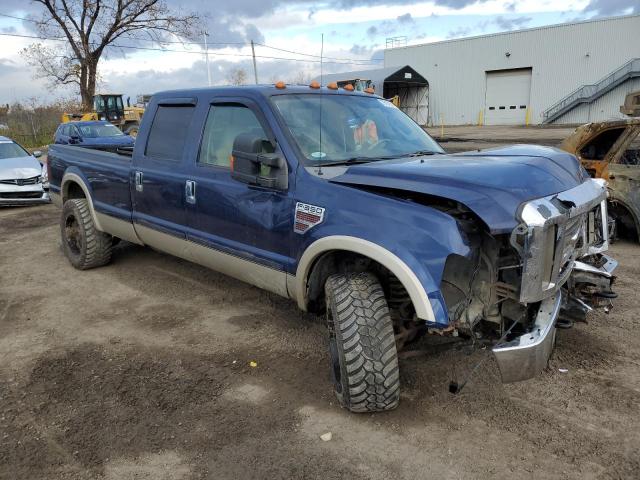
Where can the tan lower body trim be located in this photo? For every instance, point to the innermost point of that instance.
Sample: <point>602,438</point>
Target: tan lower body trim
<point>258,275</point>
<point>118,228</point>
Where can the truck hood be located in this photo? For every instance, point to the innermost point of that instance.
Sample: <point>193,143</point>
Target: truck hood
<point>491,183</point>
<point>19,168</point>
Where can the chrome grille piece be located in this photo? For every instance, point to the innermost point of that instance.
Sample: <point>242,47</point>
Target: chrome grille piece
<point>556,230</point>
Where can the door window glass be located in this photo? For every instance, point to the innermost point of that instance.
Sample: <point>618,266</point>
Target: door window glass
<point>632,155</point>
<point>111,103</point>
<point>168,134</point>
<point>598,148</point>
<point>224,123</point>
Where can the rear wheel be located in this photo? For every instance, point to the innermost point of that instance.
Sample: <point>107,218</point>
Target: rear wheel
<point>364,360</point>
<point>84,245</point>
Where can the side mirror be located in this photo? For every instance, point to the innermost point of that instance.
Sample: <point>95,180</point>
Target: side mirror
<point>250,165</point>
<point>74,139</point>
<point>37,154</point>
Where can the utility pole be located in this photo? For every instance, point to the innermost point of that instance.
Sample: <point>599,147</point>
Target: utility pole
<point>206,54</point>
<point>255,69</point>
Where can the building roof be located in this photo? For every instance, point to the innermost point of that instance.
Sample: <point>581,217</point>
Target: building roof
<point>515,32</point>
<point>378,76</point>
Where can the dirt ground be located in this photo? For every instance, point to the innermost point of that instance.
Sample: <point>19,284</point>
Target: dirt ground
<point>141,370</point>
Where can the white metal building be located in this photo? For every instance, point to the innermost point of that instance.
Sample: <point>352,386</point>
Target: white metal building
<point>567,73</point>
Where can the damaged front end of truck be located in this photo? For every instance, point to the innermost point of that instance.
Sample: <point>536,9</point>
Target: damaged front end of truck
<point>550,271</point>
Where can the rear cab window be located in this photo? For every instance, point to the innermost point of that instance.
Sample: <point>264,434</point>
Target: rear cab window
<point>169,131</point>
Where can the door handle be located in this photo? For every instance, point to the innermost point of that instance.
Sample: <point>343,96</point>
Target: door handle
<point>139,185</point>
<point>190,191</point>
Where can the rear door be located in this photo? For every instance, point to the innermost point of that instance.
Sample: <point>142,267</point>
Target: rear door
<point>159,175</point>
<point>245,229</point>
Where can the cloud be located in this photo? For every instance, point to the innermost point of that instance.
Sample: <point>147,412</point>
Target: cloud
<point>613,7</point>
<point>360,49</point>
<point>459,32</point>
<point>372,31</point>
<point>406,18</point>
<point>511,23</point>
<point>502,23</point>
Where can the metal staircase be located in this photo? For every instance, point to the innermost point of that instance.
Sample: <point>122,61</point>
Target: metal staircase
<point>589,93</point>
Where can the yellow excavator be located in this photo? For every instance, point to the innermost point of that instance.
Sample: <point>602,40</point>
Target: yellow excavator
<point>110,107</point>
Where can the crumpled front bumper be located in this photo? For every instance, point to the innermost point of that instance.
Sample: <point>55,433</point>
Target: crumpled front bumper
<point>526,356</point>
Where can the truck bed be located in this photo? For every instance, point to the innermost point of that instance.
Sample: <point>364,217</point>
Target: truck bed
<point>107,174</point>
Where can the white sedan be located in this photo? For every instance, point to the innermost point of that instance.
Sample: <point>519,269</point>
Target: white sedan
<point>22,177</point>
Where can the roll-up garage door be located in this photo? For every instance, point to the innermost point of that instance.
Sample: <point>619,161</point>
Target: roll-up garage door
<point>507,96</point>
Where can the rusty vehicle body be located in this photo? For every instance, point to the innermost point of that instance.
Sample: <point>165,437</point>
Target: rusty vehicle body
<point>611,150</point>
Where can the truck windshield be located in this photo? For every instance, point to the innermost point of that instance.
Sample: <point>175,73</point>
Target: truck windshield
<point>11,150</point>
<point>351,128</point>
<point>95,131</point>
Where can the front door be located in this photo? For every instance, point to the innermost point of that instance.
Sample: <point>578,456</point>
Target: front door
<point>243,230</point>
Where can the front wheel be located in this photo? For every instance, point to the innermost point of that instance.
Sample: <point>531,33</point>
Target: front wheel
<point>84,245</point>
<point>361,343</point>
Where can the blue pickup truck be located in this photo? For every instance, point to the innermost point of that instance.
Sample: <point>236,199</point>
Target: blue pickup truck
<point>339,201</point>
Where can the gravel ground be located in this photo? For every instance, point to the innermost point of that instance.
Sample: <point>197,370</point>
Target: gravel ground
<point>141,370</point>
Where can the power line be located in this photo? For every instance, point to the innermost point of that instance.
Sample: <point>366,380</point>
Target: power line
<point>171,42</point>
<point>219,54</point>
<point>314,56</point>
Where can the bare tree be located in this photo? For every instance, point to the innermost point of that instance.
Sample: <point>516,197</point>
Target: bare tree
<point>237,76</point>
<point>89,27</point>
<point>301,78</point>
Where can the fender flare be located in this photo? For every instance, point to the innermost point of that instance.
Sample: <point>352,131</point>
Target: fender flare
<point>389,260</point>
<point>70,177</point>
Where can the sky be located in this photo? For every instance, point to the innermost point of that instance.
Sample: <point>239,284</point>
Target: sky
<point>355,34</point>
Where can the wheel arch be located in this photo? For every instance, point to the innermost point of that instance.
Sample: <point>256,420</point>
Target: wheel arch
<point>71,186</point>
<point>615,203</point>
<point>312,259</point>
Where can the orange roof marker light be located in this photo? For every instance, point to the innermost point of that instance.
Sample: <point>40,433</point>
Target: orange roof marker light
<point>314,84</point>
<point>348,87</point>
<point>281,85</point>
<point>332,86</point>
<point>369,90</point>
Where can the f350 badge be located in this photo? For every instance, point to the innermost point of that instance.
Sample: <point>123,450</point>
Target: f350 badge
<point>307,216</point>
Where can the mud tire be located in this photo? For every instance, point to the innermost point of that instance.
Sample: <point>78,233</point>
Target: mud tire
<point>84,245</point>
<point>364,360</point>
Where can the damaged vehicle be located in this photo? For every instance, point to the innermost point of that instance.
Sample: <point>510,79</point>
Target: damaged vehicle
<point>338,200</point>
<point>611,151</point>
<point>22,178</point>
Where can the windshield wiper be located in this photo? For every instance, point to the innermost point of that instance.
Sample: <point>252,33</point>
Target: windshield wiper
<point>349,161</point>
<point>420,153</point>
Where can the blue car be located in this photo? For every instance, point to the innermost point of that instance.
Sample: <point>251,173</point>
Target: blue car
<point>94,134</point>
